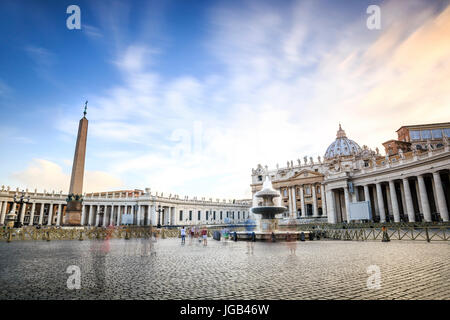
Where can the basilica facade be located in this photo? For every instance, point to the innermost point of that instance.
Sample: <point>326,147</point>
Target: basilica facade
<point>410,183</point>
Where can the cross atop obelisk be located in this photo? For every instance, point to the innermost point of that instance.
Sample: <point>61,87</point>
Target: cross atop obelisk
<point>73,211</point>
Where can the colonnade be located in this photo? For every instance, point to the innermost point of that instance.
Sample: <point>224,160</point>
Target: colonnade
<point>409,199</point>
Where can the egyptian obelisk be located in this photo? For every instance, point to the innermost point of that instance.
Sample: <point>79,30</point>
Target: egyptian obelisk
<point>75,199</point>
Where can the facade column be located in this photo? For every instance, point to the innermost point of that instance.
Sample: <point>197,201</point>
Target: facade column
<point>3,215</point>
<point>330,206</point>
<point>394,201</point>
<point>50,214</point>
<point>366,194</point>
<point>324,203</point>
<point>294,203</point>
<point>302,201</point>
<point>408,200</point>
<point>41,214</point>
<point>442,205</point>
<point>381,203</point>
<point>58,217</point>
<point>33,208</point>
<point>314,194</point>
<point>83,214</point>
<point>289,193</point>
<point>347,204</point>
<point>22,212</point>
<point>119,209</point>
<point>424,199</point>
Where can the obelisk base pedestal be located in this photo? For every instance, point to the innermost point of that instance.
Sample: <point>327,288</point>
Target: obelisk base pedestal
<point>73,213</point>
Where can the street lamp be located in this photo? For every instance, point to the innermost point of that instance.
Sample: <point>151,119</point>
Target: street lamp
<point>22,200</point>
<point>159,216</point>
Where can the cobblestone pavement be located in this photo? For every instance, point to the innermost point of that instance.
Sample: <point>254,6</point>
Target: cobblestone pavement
<point>140,269</point>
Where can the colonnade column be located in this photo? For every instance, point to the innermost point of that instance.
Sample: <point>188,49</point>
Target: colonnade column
<point>380,203</point>
<point>105,212</point>
<point>22,212</point>
<point>97,215</point>
<point>119,207</point>
<point>2,217</point>
<point>314,193</point>
<point>33,208</point>
<point>83,214</point>
<point>41,214</point>
<point>91,213</point>
<point>347,204</point>
<point>138,215</point>
<point>408,200</point>
<point>330,206</point>
<point>424,199</point>
<point>442,205</point>
<point>58,217</point>
<point>50,215</point>
<point>394,201</point>
<point>302,201</point>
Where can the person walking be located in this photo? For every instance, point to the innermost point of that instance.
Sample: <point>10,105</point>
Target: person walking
<point>183,235</point>
<point>205,236</point>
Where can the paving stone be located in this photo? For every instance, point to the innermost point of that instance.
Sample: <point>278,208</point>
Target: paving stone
<point>141,269</point>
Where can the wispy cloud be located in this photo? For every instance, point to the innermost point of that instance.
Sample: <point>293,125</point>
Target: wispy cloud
<point>290,75</point>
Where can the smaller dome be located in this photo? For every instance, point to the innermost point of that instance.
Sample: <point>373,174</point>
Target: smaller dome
<point>342,146</point>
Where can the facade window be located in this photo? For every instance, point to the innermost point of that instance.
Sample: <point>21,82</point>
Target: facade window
<point>239,214</point>
<point>308,190</point>
<point>181,215</point>
<point>259,178</point>
<point>414,134</point>
<point>232,215</point>
<point>190,215</point>
<point>227,215</point>
<point>207,215</point>
<point>214,215</point>
<point>437,133</point>
<point>366,163</point>
<point>221,217</point>
<point>199,215</point>
<point>318,189</point>
<point>285,192</point>
<point>426,134</point>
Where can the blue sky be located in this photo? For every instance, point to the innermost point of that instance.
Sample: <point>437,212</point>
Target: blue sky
<point>185,97</point>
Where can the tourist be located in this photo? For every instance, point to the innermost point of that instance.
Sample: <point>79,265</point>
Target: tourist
<point>183,235</point>
<point>205,236</point>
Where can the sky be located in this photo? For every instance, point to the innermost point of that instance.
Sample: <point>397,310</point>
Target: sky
<point>186,97</point>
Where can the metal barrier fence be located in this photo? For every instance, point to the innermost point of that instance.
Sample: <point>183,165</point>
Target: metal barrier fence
<point>89,233</point>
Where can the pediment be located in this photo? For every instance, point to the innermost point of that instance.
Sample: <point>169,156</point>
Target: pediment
<point>304,173</point>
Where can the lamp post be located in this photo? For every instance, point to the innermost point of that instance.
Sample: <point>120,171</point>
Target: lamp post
<point>22,200</point>
<point>159,216</point>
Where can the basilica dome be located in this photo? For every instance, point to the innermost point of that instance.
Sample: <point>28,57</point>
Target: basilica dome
<point>342,146</point>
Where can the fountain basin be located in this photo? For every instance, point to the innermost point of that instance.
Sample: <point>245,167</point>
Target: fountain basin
<point>268,212</point>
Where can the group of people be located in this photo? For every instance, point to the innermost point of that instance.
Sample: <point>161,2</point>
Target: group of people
<point>195,233</point>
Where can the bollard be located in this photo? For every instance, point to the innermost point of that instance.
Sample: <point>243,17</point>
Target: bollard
<point>81,236</point>
<point>48,235</point>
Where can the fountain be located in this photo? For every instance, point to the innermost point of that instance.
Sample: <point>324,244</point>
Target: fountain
<point>268,227</point>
